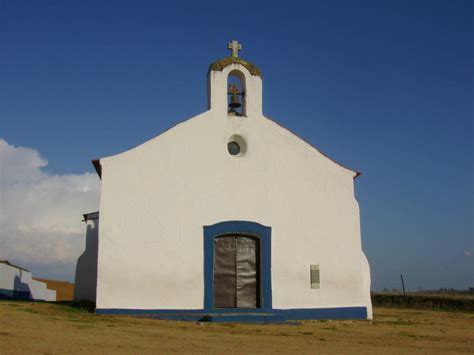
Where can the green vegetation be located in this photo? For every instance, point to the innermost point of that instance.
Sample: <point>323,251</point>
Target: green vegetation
<point>74,306</point>
<point>432,301</point>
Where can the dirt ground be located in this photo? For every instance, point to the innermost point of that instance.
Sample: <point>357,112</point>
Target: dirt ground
<point>56,329</point>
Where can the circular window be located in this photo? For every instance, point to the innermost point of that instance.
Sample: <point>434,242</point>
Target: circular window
<point>233,148</point>
<point>236,146</point>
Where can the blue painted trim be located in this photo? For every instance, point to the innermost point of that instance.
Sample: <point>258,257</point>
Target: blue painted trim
<point>238,315</point>
<point>239,227</point>
<point>15,295</point>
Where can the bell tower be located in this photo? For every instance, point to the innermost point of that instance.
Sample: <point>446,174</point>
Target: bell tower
<point>235,86</point>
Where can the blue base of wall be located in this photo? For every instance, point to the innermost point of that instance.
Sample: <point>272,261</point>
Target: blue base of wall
<point>243,315</point>
<point>15,295</point>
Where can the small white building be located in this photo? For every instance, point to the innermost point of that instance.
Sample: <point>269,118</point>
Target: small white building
<point>229,216</point>
<point>16,283</point>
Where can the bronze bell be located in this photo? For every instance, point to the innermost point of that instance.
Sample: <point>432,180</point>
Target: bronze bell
<point>234,102</point>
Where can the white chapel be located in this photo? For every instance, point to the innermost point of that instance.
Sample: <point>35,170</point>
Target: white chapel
<point>226,217</point>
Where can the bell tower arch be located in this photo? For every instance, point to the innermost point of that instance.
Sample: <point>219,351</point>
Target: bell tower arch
<point>236,93</point>
<point>235,86</point>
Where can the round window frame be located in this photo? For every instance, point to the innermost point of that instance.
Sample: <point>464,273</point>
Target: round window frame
<point>240,142</point>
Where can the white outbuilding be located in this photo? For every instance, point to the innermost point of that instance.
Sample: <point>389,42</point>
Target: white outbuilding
<point>227,216</point>
<point>16,283</point>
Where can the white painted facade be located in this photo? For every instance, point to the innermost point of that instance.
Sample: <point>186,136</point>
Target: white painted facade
<point>85,284</point>
<point>15,281</point>
<point>156,198</point>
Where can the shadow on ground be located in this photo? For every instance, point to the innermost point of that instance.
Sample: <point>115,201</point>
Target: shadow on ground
<point>84,305</point>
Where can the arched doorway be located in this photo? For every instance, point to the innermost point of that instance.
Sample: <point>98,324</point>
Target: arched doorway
<point>260,237</point>
<point>236,274</point>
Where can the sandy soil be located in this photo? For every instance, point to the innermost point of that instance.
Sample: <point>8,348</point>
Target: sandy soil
<point>50,329</point>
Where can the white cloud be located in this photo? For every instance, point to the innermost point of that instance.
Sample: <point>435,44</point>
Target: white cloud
<point>40,213</point>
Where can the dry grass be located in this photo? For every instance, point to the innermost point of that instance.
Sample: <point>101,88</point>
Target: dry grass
<point>52,328</point>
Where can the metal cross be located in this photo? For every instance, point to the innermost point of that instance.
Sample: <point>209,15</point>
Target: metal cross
<point>235,47</point>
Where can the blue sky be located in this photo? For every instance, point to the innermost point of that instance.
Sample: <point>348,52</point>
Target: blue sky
<point>383,87</point>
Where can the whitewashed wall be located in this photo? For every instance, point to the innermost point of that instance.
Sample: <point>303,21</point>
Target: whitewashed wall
<point>85,283</point>
<point>157,197</point>
<point>14,279</point>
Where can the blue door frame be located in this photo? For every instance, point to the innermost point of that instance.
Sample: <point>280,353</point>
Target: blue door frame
<point>263,233</point>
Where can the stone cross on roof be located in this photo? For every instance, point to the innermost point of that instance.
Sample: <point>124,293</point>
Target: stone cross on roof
<point>235,47</point>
